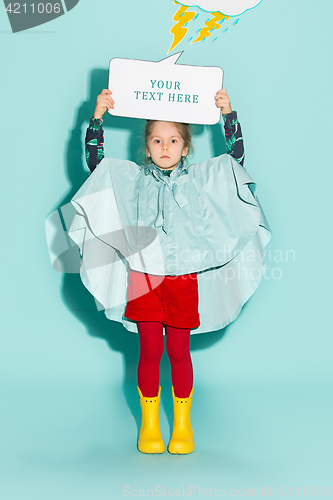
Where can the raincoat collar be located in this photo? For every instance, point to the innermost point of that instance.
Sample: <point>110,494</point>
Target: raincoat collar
<point>151,168</point>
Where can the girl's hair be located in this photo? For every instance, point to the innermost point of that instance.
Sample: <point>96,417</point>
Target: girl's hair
<point>183,129</point>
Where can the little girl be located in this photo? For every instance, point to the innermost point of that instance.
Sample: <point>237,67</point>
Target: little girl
<point>158,244</point>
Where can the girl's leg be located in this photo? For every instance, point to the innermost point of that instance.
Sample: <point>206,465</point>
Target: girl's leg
<point>151,351</point>
<point>178,348</point>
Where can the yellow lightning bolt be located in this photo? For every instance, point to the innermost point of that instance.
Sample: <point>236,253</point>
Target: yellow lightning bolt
<point>181,17</point>
<point>210,26</point>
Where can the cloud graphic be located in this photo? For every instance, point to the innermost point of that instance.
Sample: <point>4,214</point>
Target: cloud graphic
<point>227,7</point>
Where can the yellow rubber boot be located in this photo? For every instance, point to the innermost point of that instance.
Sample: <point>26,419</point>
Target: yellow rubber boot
<point>150,439</point>
<point>182,439</point>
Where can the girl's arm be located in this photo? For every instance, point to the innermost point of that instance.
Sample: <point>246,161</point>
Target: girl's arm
<point>233,137</point>
<point>232,128</point>
<point>94,142</point>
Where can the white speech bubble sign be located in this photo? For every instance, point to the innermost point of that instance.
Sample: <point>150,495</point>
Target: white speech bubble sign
<point>227,7</point>
<point>164,90</point>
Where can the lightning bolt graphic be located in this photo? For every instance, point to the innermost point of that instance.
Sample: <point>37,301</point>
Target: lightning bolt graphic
<point>181,18</point>
<point>211,25</point>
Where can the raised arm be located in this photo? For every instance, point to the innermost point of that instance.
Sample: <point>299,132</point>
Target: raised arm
<point>94,141</point>
<point>233,137</point>
<point>232,128</point>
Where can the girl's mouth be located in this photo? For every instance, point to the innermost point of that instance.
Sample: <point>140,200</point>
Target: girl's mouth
<point>165,156</point>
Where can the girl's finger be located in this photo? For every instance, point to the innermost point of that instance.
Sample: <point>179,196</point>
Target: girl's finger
<point>105,102</point>
<point>221,96</point>
<point>222,102</point>
<point>221,92</point>
<point>104,98</point>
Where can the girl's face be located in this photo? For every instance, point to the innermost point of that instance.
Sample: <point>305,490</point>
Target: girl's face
<point>165,145</point>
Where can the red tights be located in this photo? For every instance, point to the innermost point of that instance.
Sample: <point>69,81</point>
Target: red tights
<point>151,350</point>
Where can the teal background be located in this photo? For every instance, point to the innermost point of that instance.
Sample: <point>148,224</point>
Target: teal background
<point>262,407</point>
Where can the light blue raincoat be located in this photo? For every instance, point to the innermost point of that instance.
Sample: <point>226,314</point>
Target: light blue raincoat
<point>204,218</point>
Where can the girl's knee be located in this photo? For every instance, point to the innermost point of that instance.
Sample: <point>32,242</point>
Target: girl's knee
<point>177,354</point>
<point>152,354</point>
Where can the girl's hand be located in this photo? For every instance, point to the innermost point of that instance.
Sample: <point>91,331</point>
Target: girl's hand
<point>222,101</point>
<point>103,103</point>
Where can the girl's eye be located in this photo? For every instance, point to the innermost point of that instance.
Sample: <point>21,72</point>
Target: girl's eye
<point>157,141</point>
<point>174,141</point>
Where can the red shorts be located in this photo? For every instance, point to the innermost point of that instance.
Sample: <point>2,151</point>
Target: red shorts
<point>173,300</point>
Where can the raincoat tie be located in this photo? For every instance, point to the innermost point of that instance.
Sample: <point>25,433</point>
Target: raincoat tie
<point>169,188</point>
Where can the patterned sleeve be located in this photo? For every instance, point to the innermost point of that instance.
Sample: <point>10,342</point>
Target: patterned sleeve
<point>233,137</point>
<point>94,143</point>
